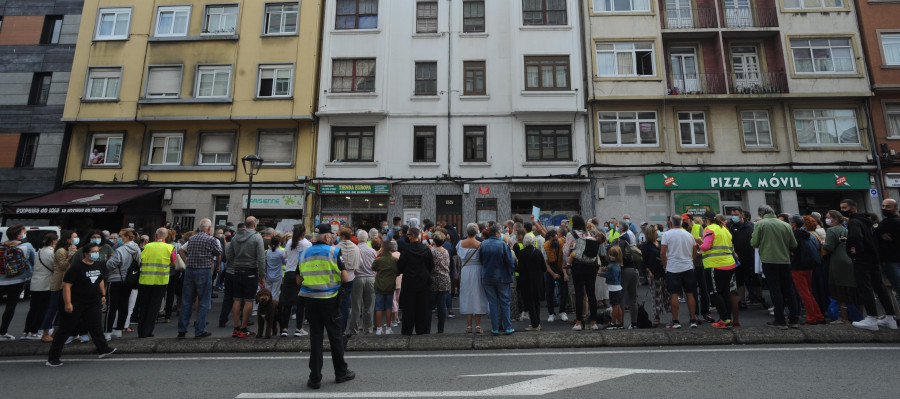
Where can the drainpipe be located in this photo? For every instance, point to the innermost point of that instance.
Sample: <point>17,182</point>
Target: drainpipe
<point>871,134</point>
<point>449,77</point>
<point>63,156</point>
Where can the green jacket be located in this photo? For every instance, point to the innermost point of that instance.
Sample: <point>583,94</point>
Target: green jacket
<point>385,268</point>
<point>775,240</point>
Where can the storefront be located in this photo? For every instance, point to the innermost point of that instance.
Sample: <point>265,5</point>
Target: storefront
<point>279,211</point>
<point>362,206</point>
<point>791,192</point>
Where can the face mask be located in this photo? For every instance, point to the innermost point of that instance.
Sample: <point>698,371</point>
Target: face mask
<point>628,221</point>
<point>95,241</point>
<point>76,241</point>
<point>22,237</point>
<point>736,219</point>
<point>119,241</point>
<point>605,229</point>
<point>95,256</point>
<point>887,212</point>
<point>844,213</point>
<point>828,221</point>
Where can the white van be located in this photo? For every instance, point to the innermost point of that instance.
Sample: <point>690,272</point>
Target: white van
<point>34,234</point>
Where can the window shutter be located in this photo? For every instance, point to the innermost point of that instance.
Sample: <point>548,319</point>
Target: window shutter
<point>216,143</point>
<point>97,73</point>
<point>164,80</point>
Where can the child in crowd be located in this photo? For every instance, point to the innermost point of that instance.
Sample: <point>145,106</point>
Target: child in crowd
<point>385,268</point>
<point>613,274</point>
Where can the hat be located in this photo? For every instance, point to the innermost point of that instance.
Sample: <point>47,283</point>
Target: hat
<point>644,223</point>
<point>686,216</point>
<point>323,228</point>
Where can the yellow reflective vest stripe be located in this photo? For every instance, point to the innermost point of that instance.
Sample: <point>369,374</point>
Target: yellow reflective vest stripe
<point>319,269</point>
<point>720,254</point>
<point>156,262</point>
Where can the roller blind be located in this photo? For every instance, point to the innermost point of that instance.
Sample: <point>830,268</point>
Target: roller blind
<point>164,81</point>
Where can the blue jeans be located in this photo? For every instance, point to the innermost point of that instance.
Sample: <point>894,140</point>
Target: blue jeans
<point>346,293</point>
<point>197,284</point>
<point>498,305</point>
<point>438,298</point>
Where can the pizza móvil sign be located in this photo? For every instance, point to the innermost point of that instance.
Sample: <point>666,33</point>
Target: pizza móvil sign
<point>757,181</point>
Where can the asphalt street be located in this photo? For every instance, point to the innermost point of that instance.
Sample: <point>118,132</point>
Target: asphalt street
<point>808,371</point>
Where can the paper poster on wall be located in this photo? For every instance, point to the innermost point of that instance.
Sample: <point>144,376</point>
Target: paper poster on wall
<point>336,220</point>
<point>287,225</point>
<point>412,213</point>
<point>696,203</point>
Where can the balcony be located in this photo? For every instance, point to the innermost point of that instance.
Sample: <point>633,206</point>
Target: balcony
<point>752,17</point>
<point>697,83</point>
<point>691,18</point>
<point>759,83</point>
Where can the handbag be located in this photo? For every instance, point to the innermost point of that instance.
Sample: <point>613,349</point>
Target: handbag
<point>179,263</point>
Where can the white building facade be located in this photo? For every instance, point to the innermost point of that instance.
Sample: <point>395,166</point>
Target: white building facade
<point>451,110</point>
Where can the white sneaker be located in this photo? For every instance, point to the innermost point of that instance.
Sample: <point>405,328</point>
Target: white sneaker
<point>577,327</point>
<point>889,322</point>
<point>563,316</point>
<point>387,331</point>
<point>30,337</point>
<point>595,327</point>
<point>7,336</point>
<point>300,333</point>
<point>108,336</point>
<point>379,331</point>
<point>869,323</point>
<point>395,324</point>
<point>551,319</point>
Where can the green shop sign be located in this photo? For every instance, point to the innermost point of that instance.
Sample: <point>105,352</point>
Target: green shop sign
<point>757,181</point>
<point>355,189</point>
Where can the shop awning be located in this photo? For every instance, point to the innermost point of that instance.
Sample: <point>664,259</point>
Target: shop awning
<point>79,200</point>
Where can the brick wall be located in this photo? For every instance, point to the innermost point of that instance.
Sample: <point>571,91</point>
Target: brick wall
<point>22,30</point>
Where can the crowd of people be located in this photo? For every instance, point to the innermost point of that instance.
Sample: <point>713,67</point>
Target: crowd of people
<point>840,270</point>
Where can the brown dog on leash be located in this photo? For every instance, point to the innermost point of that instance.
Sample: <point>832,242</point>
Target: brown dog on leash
<point>267,313</point>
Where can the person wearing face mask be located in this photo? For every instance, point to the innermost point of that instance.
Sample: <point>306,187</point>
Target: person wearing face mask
<point>12,286</point>
<point>841,282</point>
<point>556,276</point>
<point>775,241</point>
<point>741,232</point>
<point>888,233</point>
<point>96,237</point>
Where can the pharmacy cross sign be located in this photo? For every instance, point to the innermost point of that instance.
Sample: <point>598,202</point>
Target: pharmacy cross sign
<point>547,382</point>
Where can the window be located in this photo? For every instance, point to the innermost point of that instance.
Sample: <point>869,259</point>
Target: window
<point>890,47</point>
<point>27,150</point>
<point>275,80</point>
<point>426,17</point>
<point>625,59</point>
<point>547,73</point>
<point>826,126</point>
<point>163,82</point>
<point>474,143</point>
<point>40,88</point>
<point>892,111</point>
<point>221,205</point>
<point>426,78</point>
<point>113,24</point>
<point>485,209</point>
<point>213,81</point>
<point>216,148</point>
<point>473,16</point>
<point>544,12</point>
<point>106,150</point>
<point>165,149</point>
<point>356,14</point>
<point>548,143</point>
<point>103,83</point>
<point>281,18</point>
<point>474,77</point>
<point>52,29</point>
<point>692,128</point>
<point>221,19</point>
<point>353,76</point>
<point>353,144</point>
<point>628,128</point>
<point>276,148</point>
<point>172,21</point>
<point>812,4</point>
<point>822,55</point>
<point>424,143</point>
<point>756,128</point>
<point>621,5</point>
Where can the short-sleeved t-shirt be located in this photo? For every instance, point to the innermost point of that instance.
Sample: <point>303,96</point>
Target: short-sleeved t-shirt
<point>679,250</point>
<point>85,280</point>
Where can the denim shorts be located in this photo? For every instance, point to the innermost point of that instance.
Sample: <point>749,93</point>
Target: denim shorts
<point>686,280</point>
<point>384,302</point>
<point>615,298</point>
<point>244,285</point>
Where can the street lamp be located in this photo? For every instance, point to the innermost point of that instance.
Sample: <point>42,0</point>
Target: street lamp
<point>252,163</point>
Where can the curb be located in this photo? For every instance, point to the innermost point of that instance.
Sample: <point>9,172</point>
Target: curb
<point>449,342</point>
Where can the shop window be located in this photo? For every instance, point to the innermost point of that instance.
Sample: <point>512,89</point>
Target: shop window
<point>548,143</point>
<point>356,14</point>
<point>756,128</point>
<point>826,127</point>
<point>547,73</point>
<point>353,76</point>
<point>165,149</point>
<point>221,19</point>
<point>692,129</point>
<point>426,17</point>
<point>426,79</point>
<point>172,21</point>
<point>281,18</point>
<point>106,150</point>
<point>113,24</point>
<point>184,219</point>
<point>773,199</point>
<point>276,148</point>
<point>40,88</point>
<point>424,143</point>
<point>473,16</point>
<point>485,209</point>
<point>27,150</point>
<point>474,144</point>
<point>544,12</point>
<point>216,148</point>
<point>222,204</point>
<point>353,144</point>
<point>731,195</point>
<point>275,80</point>
<point>164,82</point>
<point>628,128</point>
<point>52,29</point>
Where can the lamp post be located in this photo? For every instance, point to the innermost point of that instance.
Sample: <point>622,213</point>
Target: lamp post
<point>252,163</point>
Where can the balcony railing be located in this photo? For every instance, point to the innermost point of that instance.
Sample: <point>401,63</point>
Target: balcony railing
<point>697,83</point>
<point>759,83</point>
<point>754,17</point>
<point>691,18</point>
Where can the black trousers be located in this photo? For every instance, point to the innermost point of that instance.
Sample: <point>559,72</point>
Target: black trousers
<point>12,299</point>
<point>584,278</point>
<point>117,300</point>
<point>781,289</point>
<point>563,293</point>
<point>532,303</point>
<point>324,315</point>
<point>227,299</point>
<point>89,315</point>
<point>704,281</point>
<point>868,280</point>
<point>40,300</point>
<point>173,291</point>
<point>415,311</point>
<point>286,314</point>
<point>722,298</point>
<point>149,298</point>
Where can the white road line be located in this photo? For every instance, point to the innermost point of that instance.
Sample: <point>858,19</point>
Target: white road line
<point>274,356</point>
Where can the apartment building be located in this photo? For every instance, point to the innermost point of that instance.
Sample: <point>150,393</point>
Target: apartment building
<point>450,110</point>
<point>717,104</point>
<point>170,96</point>
<point>37,43</point>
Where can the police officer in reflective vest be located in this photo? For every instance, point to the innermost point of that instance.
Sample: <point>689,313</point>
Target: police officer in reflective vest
<point>319,275</point>
<point>156,260</point>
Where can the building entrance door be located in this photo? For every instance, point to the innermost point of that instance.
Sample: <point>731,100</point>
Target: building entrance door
<point>449,209</point>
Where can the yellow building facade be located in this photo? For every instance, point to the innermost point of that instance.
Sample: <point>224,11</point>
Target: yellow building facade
<point>171,94</point>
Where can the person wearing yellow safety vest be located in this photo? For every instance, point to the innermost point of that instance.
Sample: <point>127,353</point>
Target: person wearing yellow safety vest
<point>718,255</point>
<point>156,260</point>
<point>319,274</point>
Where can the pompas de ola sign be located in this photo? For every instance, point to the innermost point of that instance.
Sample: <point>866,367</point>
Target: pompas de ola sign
<point>757,181</point>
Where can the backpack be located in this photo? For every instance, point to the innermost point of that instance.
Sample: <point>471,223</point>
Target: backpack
<point>810,256</point>
<point>643,318</point>
<point>14,263</point>
<point>586,250</point>
<point>133,275</point>
<point>631,254</point>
